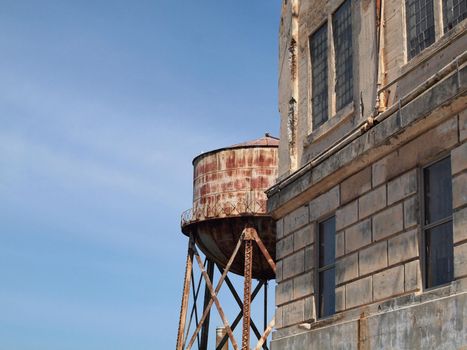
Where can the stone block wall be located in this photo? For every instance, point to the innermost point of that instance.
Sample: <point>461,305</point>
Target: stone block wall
<point>434,321</point>
<point>371,184</point>
<point>378,231</point>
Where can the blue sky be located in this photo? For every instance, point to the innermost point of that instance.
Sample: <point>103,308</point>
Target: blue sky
<point>103,105</point>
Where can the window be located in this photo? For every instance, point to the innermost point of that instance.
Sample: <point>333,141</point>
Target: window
<point>454,11</point>
<point>319,75</point>
<point>420,25</point>
<point>323,70</point>
<point>342,32</point>
<point>421,19</point>
<point>326,267</point>
<point>437,229</point>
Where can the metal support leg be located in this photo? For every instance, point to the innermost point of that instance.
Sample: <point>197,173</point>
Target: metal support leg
<point>207,298</point>
<point>240,314</point>
<point>248,236</point>
<point>185,296</point>
<point>194,309</point>
<point>247,292</point>
<point>265,304</point>
<point>214,295</point>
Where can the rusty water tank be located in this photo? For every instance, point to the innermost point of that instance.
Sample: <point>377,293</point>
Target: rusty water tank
<point>228,194</point>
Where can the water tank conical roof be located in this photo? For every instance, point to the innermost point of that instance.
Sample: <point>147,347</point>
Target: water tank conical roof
<point>266,140</point>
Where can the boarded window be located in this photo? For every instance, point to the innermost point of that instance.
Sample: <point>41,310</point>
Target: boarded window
<point>342,33</point>
<point>326,267</point>
<point>319,76</point>
<point>439,266</point>
<point>420,25</point>
<point>454,11</point>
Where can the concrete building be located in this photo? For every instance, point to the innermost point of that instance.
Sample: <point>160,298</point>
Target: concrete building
<point>371,199</point>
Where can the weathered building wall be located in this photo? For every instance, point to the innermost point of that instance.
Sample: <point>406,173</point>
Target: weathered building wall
<point>434,321</point>
<point>377,228</point>
<point>300,19</point>
<point>378,234</point>
<point>364,166</point>
<point>397,73</point>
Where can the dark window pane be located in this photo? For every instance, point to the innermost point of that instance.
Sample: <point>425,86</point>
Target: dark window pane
<point>327,292</point>
<point>342,33</point>
<point>327,245</point>
<point>439,255</point>
<point>319,75</point>
<point>420,25</point>
<point>438,191</point>
<point>454,11</point>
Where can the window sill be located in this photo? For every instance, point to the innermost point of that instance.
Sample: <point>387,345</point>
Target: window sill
<point>453,34</point>
<point>421,296</point>
<point>332,123</point>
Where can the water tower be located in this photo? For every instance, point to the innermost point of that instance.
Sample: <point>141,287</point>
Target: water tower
<point>229,224</point>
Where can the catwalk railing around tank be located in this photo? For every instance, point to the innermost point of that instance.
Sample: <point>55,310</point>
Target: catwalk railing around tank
<point>223,210</point>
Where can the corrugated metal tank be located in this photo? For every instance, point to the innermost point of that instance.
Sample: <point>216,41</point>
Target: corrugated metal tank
<point>228,194</point>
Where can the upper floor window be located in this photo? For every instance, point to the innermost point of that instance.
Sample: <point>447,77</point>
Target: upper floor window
<point>421,20</point>
<point>319,75</point>
<point>326,267</point>
<point>437,228</point>
<point>332,79</point>
<point>342,32</point>
<point>420,25</point>
<point>454,11</point>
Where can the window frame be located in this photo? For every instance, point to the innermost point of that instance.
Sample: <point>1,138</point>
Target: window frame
<point>318,269</point>
<point>444,27</point>
<point>325,25</point>
<point>439,28</point>
<point>331,62</point>
<point>425,227</point>
<point>409,56</point>
<point>334,23</point>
